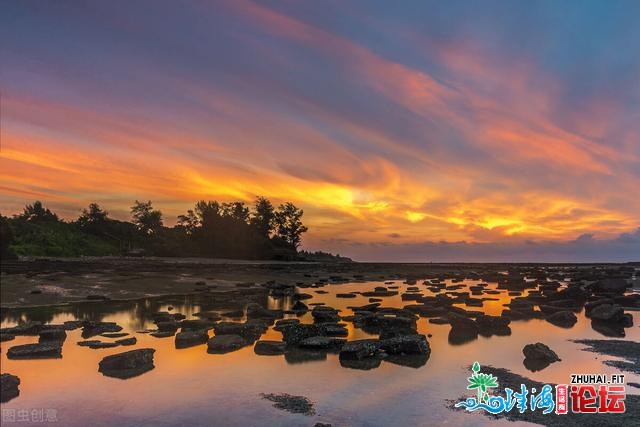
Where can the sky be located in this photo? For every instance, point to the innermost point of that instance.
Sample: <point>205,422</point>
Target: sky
<point>407,131</point>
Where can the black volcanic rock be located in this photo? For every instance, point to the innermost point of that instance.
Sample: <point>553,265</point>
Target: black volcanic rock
<point>221,344</point>
<point>8,387</point>
<point>269,348</point>
<point>563,319</point>
<point>538,356</point>
<point>359,349</point>
<point>48,350</point>
<point>190,338</point>
<point>128,364</point>
<point>91,329</point>
<point>607,312</point>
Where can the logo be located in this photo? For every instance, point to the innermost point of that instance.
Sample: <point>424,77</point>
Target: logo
<point>586,394</point>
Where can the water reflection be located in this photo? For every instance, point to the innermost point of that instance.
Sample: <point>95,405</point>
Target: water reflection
<point>191,384</point>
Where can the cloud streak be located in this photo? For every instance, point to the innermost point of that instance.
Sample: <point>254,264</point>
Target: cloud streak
<point>375,122</point>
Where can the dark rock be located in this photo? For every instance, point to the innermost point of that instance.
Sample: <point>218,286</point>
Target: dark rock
<point>250,330</point>
<point>55,335</point>
<point>366,307</point>
<point>114,334</point>
<point>48,350</point>
<point>127,341</point>
<point>91,329</point>
<point>538,356</point>
<point>462,330</point>
<point>550,309</point>
<point>8,387</point>
<point>360,349</point>
<point>365,364</point>
<point>563,319</point>
<point>411,296</point>
<point>29,328</point>
<point>296,355</point>
<point>282,324</point>
<point>163,334</point>
<point>324,314</point>
<point>333,329</point>
<point>71,325</point>
<point>169,326</point>
<point>493,325</point>
<point>626,321</point>
<point>269,348</point>
<point>388,319</point>
<point>439,321</point>
<point>346,295</point>
<point>256,311</point>
<point>300,307</point>
<point>294,404</point>
<point>221,344</point>
<point>628,301</point>
<point>461,336</point>
<point>608,329</point>
<point>607,312</point>
<point>97,344</point>
<point>321,342</point>
<point>426,310</point>
<point>535,365</point>
<point>190,338</point>
<point>302,296</point>
<point>128,364</point>
<point>380,291</point>
<point>196,325</point>
<point>296,332</point>
<point>7,337</point>
<point>611,285</point>
<point>406,344</point>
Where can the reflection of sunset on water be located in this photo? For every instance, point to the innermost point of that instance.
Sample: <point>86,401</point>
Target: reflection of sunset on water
<point>225,384</point>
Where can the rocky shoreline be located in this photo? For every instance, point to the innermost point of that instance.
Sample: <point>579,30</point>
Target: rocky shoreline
<point>234,316</point>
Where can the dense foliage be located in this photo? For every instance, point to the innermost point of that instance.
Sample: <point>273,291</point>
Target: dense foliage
<point>210,229</point>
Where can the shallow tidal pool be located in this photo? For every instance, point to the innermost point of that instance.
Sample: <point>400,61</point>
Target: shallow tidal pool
<point>192,387</point>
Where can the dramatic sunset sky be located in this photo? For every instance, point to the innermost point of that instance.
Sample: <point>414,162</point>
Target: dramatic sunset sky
<point>416,131</point>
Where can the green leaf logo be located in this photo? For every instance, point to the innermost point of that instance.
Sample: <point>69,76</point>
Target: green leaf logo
<point>481,382</point>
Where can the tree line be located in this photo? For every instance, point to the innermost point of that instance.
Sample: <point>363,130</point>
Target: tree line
<point>210,229</point>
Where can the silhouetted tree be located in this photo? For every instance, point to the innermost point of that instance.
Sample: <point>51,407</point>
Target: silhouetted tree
<point>289,227</point>
<point>237,211</point>
<point>208,213</point>
<point>38,213</point>
<point>148,220</point>
<point>189,222</point>
<point>263,217</point>
<point>94,219</point>
<point>6,238</point>
<point>211,228</point>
